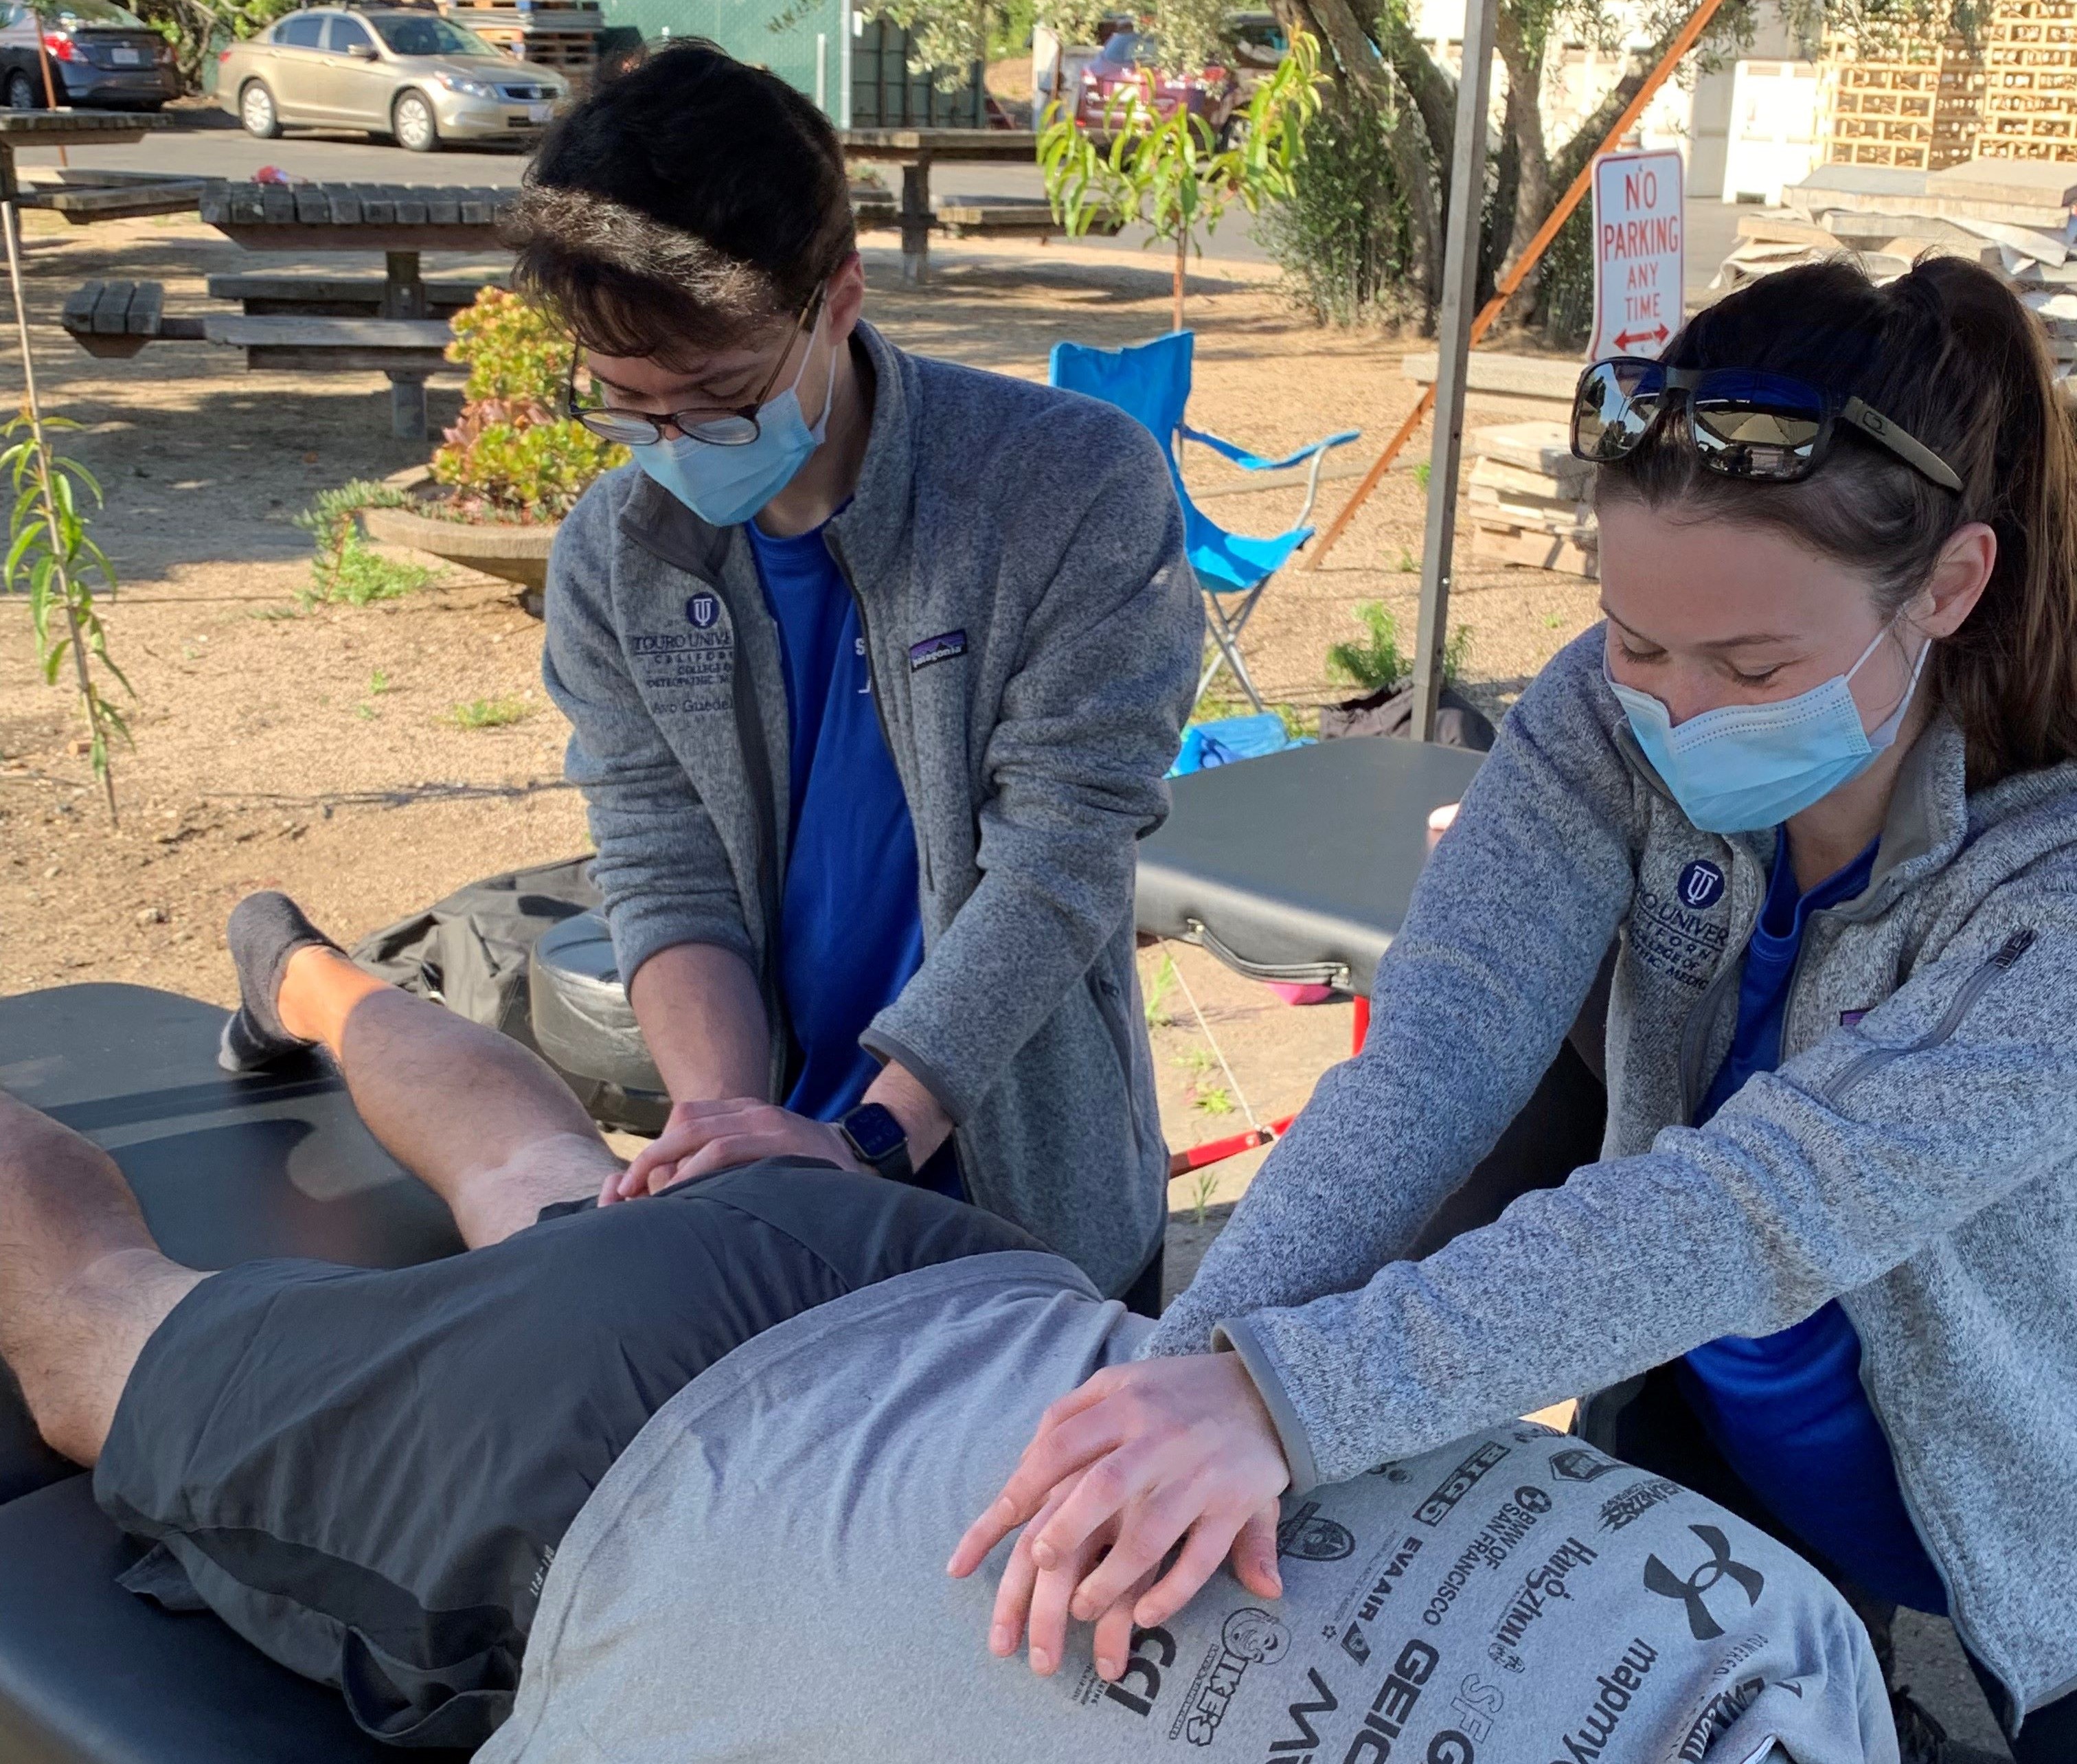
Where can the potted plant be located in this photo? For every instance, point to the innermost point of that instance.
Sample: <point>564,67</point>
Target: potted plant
<point>512,466</point>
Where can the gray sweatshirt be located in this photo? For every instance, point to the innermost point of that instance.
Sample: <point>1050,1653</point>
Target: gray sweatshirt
<point>1915,1155</point>
<point>1032,631</point>
<point>760,1579</point>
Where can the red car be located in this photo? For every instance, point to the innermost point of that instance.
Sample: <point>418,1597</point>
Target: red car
<point>1128,73</point>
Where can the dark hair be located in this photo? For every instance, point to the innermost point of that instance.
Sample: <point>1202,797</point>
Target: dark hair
<point>688,203</point>
<point>1947,353</point>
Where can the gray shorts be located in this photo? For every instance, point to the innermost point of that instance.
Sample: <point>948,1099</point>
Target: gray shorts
<point>366,1473</point>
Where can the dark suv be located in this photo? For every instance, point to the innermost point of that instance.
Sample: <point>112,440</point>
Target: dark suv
<point>96,54</point>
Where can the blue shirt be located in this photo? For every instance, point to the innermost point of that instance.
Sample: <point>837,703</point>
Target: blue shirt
<point>850,926</point>
<point>1787,1410</point>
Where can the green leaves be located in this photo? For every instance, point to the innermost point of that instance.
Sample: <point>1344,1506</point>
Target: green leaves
<point>512,455</point>
<point>1169,172</point>
<point>51,558</point>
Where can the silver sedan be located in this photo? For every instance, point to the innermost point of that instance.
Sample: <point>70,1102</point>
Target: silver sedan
<point>416,76</point>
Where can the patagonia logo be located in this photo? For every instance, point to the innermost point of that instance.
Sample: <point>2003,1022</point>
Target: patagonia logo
<point>701,610</point>
<point>1701,886</point>
<point>941,647</point>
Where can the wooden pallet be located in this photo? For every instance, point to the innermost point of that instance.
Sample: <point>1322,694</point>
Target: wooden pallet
<point>1917,107</point>
<point>1502,541</point>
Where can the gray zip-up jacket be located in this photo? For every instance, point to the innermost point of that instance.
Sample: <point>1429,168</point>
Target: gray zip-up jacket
<point>1033,632</point>
<point>1915,1155</point>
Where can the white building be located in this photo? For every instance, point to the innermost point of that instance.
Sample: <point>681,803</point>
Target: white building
<point>1746,128</point>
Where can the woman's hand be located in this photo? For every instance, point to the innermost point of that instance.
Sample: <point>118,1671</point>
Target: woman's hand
<point>703,1138</point>
<point>1022,1590</point>
<point>1164,1451</point>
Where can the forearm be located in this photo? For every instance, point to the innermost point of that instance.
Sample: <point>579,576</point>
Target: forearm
<point>699,1010</point>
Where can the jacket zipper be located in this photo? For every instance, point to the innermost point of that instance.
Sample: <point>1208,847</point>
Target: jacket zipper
<point>1700,1016</point>
<point>1834,1090</point>
<point>873,679</point>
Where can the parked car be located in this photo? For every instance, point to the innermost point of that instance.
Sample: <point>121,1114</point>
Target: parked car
<point>1127,75</point>
<point>416,76</point>
<point>1256,43</point>
<point>98,56</point>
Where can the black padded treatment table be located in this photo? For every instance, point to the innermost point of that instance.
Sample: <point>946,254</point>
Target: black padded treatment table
<point>225,1169</point>
<point>1298,866</point>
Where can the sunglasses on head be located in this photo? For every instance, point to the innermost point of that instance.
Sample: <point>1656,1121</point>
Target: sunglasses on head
<point>1765,427</point>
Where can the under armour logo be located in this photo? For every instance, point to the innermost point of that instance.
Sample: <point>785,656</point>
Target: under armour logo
<point>1663,1580</point>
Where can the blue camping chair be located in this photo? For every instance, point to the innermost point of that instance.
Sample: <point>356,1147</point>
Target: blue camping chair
<point>1151,381</point>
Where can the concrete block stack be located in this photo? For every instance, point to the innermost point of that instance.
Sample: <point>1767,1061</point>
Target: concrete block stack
<point>1530,500</point>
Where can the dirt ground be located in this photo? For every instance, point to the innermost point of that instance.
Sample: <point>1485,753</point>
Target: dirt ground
<point>315,749</point>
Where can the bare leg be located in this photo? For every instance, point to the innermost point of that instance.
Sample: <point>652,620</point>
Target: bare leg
<point>82,1285</point>
<point>482,1121</point>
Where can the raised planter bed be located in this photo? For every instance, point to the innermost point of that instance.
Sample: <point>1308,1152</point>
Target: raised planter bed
<point>518,553</point>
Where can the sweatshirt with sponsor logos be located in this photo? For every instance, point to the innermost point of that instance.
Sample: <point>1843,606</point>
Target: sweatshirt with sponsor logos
<point>760,1579</point>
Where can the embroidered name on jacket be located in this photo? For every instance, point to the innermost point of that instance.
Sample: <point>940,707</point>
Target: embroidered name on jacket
<point>687,668</point>
<point>1681,942</point>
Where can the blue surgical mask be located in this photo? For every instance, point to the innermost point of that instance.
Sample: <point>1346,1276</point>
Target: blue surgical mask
<point>725,486</point>
<point>1747,767</point>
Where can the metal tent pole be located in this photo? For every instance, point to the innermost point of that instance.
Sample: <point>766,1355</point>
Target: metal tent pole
<point>1460,275</point>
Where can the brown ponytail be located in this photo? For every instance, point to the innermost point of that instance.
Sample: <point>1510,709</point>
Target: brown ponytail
<point>1949,354</point>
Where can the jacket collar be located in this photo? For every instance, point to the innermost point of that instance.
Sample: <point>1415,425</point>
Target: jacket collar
<point>867,527</point>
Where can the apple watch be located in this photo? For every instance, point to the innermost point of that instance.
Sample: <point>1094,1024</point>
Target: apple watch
<point>878,1140</point>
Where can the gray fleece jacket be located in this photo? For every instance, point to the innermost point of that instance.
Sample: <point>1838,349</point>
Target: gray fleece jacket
<point>1033,632</point>
<point>1915,1155</point>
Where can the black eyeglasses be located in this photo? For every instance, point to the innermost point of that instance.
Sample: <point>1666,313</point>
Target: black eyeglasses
<point>638,428</point>
<point>1746,424</point>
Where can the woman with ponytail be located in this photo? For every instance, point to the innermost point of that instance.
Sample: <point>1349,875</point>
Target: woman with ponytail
<point>1809,795</point>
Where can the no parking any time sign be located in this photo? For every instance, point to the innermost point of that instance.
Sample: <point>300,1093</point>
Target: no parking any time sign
<point>1638,227</point>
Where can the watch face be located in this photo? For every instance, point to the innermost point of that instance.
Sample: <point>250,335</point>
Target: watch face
<point>874,1131</point>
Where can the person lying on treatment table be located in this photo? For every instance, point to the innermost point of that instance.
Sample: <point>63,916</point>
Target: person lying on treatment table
<point>671,1481</point>
<point>1810,788</point>
<point>874,664</point>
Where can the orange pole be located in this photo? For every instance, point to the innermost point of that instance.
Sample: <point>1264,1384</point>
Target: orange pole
<point>1698,21</point>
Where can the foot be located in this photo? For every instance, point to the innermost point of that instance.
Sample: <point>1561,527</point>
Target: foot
<point>1922,1740</point>
<point>264,930</point>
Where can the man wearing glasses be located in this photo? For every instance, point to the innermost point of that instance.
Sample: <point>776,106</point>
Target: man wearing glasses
<point>874,665</point>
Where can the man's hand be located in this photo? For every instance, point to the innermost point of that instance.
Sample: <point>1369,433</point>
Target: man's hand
<point>1166,1450</point>
<point>703,1138</point>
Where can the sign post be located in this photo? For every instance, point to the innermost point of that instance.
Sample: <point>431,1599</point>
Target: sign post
<point>1639,227</point>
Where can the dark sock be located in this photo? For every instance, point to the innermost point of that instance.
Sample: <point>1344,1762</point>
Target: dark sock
<point>264,930</point>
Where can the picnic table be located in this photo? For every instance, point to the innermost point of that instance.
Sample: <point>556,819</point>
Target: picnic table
<point>915,151</point>
<point>67,128</point>
<point>399,220</point>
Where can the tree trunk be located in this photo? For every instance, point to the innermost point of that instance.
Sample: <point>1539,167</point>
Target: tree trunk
<point>1182,263</point>
<point>1523,59</point>
<point>1358,84</point>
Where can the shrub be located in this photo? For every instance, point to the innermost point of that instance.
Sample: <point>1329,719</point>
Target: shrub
<point>510,456</point>
<point>342,567</point>
<point>1342,236</point>
<point>1376,664</point>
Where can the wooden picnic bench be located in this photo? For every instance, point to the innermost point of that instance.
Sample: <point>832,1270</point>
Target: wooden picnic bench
<point>399,220</point>
<point>303,295</point>
<point>67,128</point>
<point>915,151</point>
<point>82,195</point>
<point>115,319</point>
